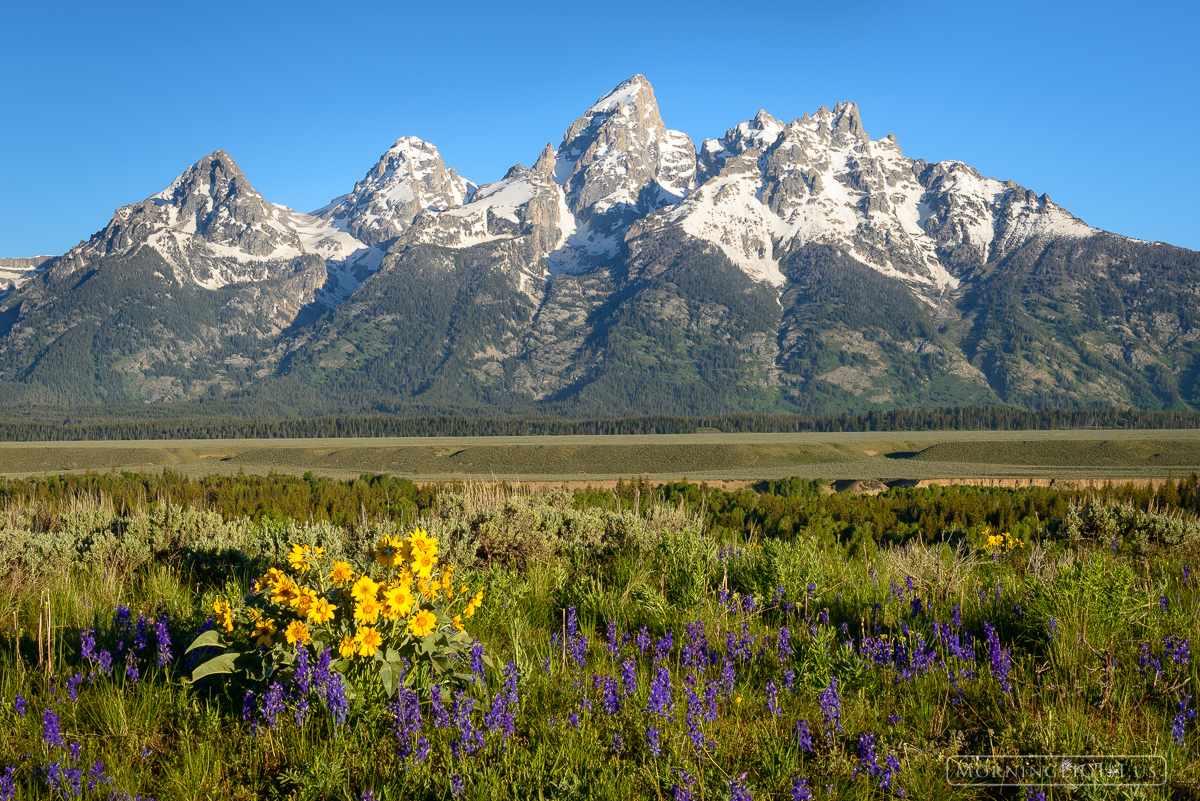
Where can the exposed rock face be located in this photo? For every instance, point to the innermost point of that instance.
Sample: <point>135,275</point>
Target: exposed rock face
<point>409,178</point>
<point>795,265</point>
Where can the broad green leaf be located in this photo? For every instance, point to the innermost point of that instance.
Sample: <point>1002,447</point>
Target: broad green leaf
<point>208,639</point>
<point>218,664</point>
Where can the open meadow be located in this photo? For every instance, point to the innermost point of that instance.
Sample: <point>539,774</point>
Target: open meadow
<point>308,638</point>
<point>887,456</point>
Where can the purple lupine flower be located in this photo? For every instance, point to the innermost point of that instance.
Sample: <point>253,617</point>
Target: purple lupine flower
<point>773,698</point>
<point>868,760</point>
<point>663,646</point>
<point>823,616</point>
<point>801,789</point>
<point>97,777</point>
<point>51,730</point>
<point>893,718</point>
<point>693,716</point>
<point>456,785</point>
<point>694,654</point>
<point>629,684</point>
<point>249,707</point>
<point>1035,794</point>
<point>610,695</point>
<point>803,736</point>
<point>367,795</point>
<point>618,743</point>
<point>612,639</point>
<point>76,750</point>
<point>661,702</point>
<point>131,668</point>
<point>749,604</point>
<point>785,645</point>
<point>789,680</point>
<point>998,657</point>
<point>1052,629</point>
<point>162,637</point>
<point>728,678</point>
<point>1177,651</point>
<point>64,781</point>
<point>272,704</point>
<point>682,791</point>
<point>477,671</point>
<point>73,687</point>
<point>470,739</point>
<point>8,783</point>
<point>141,630</point>
<point>407,723</point>
<point>737,789</point>
<point>652,741</point>
<point>87,645</point>
<point>502,717</point>
<point>1179,725</point>
<point>441,717</point>
<point>831,708</point>
<point>916,607</point>
<point>573,720</point>
<point>1163,604</point>
<point>643,640</point>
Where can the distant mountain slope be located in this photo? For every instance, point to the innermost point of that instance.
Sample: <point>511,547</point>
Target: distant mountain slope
<point>786,266</point>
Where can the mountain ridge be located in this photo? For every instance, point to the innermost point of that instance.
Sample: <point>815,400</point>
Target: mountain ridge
<point>627,268</point>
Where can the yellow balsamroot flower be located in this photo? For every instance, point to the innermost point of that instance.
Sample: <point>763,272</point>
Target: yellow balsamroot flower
<point>422,564</point>
<point>306,598</point>
<point>348,647</point>
<point>365,587</point>
<point>321,611</point>
<point>252,615</point>
<point>397,602</point>
<point>300,559</point>
<point>263,631</point>
<point>458,624</point>
<point>342,573</point>
<point>223,614</point>
<point>367,611</point>
<point>369,641</point>
<point>388,551</point>
<point>422,623</point>
<point>285,593</point>
<point>297,632</point>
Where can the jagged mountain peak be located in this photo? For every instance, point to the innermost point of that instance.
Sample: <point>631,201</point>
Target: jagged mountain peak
<point>409,177</point>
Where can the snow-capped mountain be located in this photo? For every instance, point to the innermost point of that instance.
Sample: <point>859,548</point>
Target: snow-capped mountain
<point>786,265</point>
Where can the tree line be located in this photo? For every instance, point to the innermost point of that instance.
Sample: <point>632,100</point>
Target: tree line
<point>957,418</point>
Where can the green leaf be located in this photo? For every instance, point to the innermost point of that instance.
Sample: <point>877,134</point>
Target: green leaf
<point>388,677</point>
<point>208,639</point>
<point>225,663</point>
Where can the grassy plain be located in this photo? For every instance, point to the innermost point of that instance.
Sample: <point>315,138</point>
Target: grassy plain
<point>927,455</point>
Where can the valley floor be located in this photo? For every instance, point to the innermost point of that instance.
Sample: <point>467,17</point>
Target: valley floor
<point>945,456</point>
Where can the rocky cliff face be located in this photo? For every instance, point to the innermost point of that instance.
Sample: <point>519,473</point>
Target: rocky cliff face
<point>787,265</point>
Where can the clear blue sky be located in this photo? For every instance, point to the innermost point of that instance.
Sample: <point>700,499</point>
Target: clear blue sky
<point>1095,103</point>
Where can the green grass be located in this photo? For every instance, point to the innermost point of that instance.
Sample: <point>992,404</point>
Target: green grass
<point>1083,690</point>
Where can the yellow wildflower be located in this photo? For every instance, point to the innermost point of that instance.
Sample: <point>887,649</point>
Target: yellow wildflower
<point>397,602</point>
<point>223,614</point>
<point>369,641</point>
<point>422,564</point>
<point>458,624</point>
<point>348,647</point>
<point>365,587</point>
<point>367,610</point>
<point>387,551</point>
<point>300,558</point>
<point>297,632</point>
<point>342,573</point>
<point>422,623</point>
<point>321,611</point>
<point>263,632</point>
